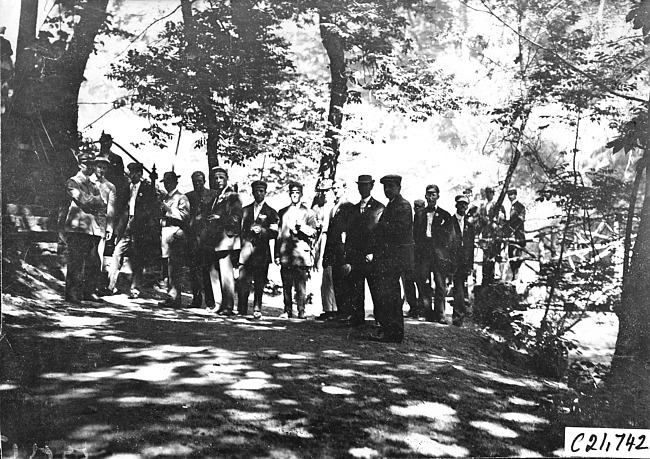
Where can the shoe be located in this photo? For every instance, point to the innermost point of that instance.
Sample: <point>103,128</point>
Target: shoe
<point>197,301</point>
<point>225,312</point>
<point>324,316</point>
<point>170,303</point>
<point>243,312</point>
<point>382,338</point>
<point>345,318</point>
<point>285,315</point>
<point>412,315</point>
<point>356,322</point>
<point>93,298</point>
<point>162,285</point>
<point>73,299</point>
<point>301,315</point>
<point>457,322</point>
<point>333,316</point>
<point>134,294</point>
<point>440,320</point>
<point>104,291</point>
<point>257,315</point>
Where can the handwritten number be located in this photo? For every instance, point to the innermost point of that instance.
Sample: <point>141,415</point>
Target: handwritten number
<point>640,445</point>
<point>592,439</point>
<point>622,436</point>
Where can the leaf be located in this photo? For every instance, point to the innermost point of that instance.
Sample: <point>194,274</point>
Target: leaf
<point>639,16</point>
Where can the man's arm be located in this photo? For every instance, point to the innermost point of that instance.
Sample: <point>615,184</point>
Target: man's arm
<point>87,202</point>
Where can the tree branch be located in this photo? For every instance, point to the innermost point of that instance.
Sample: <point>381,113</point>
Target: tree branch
<point>591,78</point>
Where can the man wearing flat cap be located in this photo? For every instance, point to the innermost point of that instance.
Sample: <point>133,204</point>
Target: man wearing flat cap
<point>200,199</point>
<point>462,255</point>
<point>322,208</point>
<point>490,222</point>
<point>175,216</point>
<point>431,256</point>
<point>515,232</point>
<point>222,238</point>
<point>138,231</point>
<point>259,227</point>
<point>293,250</point>
<point>106,218</point>
<point>83,232</point>
<point>358,251</point>
<point>393,255</point>
<point>335,234</point>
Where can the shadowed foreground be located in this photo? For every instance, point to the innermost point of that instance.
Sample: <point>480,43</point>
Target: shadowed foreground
<point>132,380</point>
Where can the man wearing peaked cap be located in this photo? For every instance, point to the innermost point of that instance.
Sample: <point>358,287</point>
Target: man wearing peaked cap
<point>200,199</point>
<point>359,251</point>
<point>259,227</point>
<point>515,230</point>
<point>83,232</point>
<point>393,258</point>
<point>222,238</point>
<point>462,255</point>
<point>138,231</point>
<point>176,212</point>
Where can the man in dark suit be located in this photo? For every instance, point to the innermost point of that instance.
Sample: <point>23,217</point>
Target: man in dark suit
<point>201,198</point>
<point>515,230</point>
<point>358,250</point>
<point>334,252</point>
<point>431,255</point>
<point>461,241</point>
<point>138,230</point>
<point>393,257</point>
<point>221,238</point>
<point>259,227</point>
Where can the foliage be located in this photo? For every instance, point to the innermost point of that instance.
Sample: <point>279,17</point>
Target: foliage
<point>240,70</point>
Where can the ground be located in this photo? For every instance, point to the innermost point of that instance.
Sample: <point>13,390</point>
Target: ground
<point>128,379</point>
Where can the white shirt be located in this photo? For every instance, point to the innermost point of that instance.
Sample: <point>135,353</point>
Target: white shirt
<point>363,203</point>
<point>430,214</point>
<point>257,208</point>
<point>134,194</point>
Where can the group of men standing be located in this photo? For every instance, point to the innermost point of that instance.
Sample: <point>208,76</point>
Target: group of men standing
<point>210,230</point>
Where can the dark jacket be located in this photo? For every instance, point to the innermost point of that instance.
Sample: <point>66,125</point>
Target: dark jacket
<point>393,237</point>
<point>515,224</point>
<point>256,250</point>
<point>461,246</point>
<point>200,206</point>
<point>339,221</point>
<point>434,248</point>
<point>223,227</point>
<point>358,242</point>
<point>146,219</point>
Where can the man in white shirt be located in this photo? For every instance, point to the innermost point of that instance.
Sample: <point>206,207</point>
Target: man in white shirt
<point>462,242</point>
<point>106,216</point>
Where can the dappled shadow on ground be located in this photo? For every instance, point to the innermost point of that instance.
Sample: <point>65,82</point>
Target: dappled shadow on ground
<point>133,380</point>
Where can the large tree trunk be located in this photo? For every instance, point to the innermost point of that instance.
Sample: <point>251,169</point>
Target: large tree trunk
<point>191,50</point>
<point>630,372</point>
<point>40,133</point>
<point>334,44</point>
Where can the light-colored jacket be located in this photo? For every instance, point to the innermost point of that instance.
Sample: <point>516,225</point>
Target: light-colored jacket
<point>106,217</point>
<point>177,206</point>
<point>85,205</point>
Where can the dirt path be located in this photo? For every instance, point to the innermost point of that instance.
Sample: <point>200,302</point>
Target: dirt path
<point>127,379</point>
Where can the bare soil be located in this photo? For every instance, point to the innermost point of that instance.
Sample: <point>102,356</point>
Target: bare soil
<point>128,379</point>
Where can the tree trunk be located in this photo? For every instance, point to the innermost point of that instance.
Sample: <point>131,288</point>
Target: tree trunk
<point>630,372</point>
<point>40,135</point>
<point>191,50</point>
<point>334,44</point>
<point>26,33</point>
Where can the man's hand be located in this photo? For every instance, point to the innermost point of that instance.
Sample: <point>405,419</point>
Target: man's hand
<point>108,236</point>
<point>277,261</point>
<point>369,257</point>
<point>257,229</point>
<point>347,268</point>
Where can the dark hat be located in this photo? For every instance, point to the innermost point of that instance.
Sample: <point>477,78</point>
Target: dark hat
<point>391,178</point>
<point>365,179</point>
<point>259,184</point>
<point>325,184</point>
<point>198,174</point>
<point>419,203</point>
<point>102,159</point>
<point>171,175</point>
<point>216,169</point>
<point>489,189</point>
<point>295,185</point>
<point>135,167</point>
<point>462,198</point>
<point>432,187</point>
<point>86,158</point>
<point>512,191</point>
